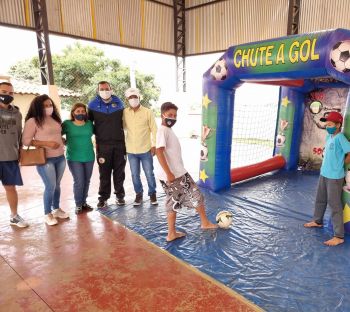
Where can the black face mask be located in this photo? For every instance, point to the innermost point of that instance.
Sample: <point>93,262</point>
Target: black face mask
<point>80,117</point>
<point>169,121</point>
<point>6,99</point>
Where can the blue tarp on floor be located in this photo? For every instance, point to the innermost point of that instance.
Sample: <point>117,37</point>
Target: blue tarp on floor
<point>267,255</point>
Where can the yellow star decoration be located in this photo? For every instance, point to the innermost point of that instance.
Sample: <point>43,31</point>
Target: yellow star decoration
<point>285,101</point>
<point>202,175</point>
<point>206,101</point>
<point>346,213</point>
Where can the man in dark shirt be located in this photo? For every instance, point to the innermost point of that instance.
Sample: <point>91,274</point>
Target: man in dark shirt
<point>10,135</point>
<point>106,113</point>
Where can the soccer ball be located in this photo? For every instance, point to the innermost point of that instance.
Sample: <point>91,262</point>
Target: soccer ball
<point>204,152</point>
<point>340,56</point>
<point>224,219</point>
<point>219,70</point>
<point>316,107</point>
<point>280,140</point>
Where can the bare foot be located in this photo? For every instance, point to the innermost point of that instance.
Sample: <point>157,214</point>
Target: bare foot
<point>177,235</point>
<point>208,225</point>
<point>334,241</point>
<point>312,224</point>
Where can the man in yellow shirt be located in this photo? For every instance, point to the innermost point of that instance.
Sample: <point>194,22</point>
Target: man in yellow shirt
<point>141,132</point>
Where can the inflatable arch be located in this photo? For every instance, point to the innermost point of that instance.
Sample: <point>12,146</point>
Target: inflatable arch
<point>298,64</point>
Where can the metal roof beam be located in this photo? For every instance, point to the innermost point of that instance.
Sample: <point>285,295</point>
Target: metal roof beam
<point>42,35</point>
<point>293,17</point>
<point>161,3</point>
<point>180,43</point>
<point>203,5</point>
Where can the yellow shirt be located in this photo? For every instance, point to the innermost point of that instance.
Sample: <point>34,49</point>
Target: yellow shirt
<point>141,130</point>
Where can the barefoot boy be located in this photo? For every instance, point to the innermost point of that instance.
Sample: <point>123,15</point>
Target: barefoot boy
<point>178,185</point>
<point>331,180</point>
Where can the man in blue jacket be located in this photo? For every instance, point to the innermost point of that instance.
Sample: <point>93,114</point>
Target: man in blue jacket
<point>106,113</point>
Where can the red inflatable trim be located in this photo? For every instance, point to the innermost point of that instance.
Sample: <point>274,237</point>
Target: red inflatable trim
<point>283,83</point>
<point>243,173</point>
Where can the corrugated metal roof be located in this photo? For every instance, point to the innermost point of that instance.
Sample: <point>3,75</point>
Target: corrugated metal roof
<point>223,24</point>
<point>149,25</point>
<point>76,16</point>
<point>324,14</point>
<point>134,23</point>
<point>130,15</point>
<point>170,2</point>
<point>158,26</point>
<point>107,16</point>
<point>191,3</point>
<point>54,12</point>
<point>13,12</point>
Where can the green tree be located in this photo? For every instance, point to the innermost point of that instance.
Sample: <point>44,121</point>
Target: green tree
<point>79,68</point>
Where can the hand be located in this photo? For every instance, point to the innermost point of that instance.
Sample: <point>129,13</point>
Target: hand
<point>170,177</point>
<point>53,145</point>
<point>153,150</point>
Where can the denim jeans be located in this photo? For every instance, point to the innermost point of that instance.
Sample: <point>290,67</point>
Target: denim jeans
<point>81,172</point>
<point>146,159</point>
<point>51,173</point>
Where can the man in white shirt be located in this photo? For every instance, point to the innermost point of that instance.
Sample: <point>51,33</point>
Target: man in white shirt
<point>181,191</point>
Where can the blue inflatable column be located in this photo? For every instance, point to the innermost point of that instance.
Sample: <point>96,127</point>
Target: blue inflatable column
<point>289,126</point>
<point>346,192</point>
<point>216,140</point>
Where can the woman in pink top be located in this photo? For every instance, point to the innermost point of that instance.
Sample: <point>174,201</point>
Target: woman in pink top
<point>43,129</point>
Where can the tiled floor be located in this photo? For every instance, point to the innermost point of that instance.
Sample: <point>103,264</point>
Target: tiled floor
<point>90,263</point>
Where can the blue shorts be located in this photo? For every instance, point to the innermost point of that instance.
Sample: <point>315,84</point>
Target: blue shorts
<point>10,173</point>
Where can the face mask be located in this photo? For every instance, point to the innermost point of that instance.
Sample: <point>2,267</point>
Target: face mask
<point>105,94</point>
<point>6,99</point>
<point>48,111</point>
<point>80,117</point>
<point>169,121</point>
<point>331,130</point>
<point>134,102</point>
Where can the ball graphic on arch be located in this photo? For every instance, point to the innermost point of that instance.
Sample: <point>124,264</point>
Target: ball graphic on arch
<point>219,70</point>
<point>280,140</point>
<point>224,219</point>
<point>340,56</point>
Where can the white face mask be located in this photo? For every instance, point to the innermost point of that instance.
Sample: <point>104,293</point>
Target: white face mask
<point>105,94</point>
<point>134,102</point>
<point>48,111</point>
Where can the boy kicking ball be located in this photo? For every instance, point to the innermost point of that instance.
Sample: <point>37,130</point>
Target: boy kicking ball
<point>180,189</point>
<point>330,184</point>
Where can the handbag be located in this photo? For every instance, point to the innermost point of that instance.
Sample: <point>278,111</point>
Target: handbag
<point>32,157</point>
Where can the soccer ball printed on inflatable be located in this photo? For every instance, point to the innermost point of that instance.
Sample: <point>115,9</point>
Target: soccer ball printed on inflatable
<point>219,70</point>
<point>204,152</point>
<point>224,219</point>
<point>340,56</point>
<point>280,140</point>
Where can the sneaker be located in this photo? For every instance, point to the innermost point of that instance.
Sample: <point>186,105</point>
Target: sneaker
<point>153,199</point>
<point>138,200</point>
<point>101,204</point>
<point>18,221</point>
<point>59,213</point>
<point>78,209</point>
<point>50,219</point>
<point>87,207</point>
<point>120,201</point>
